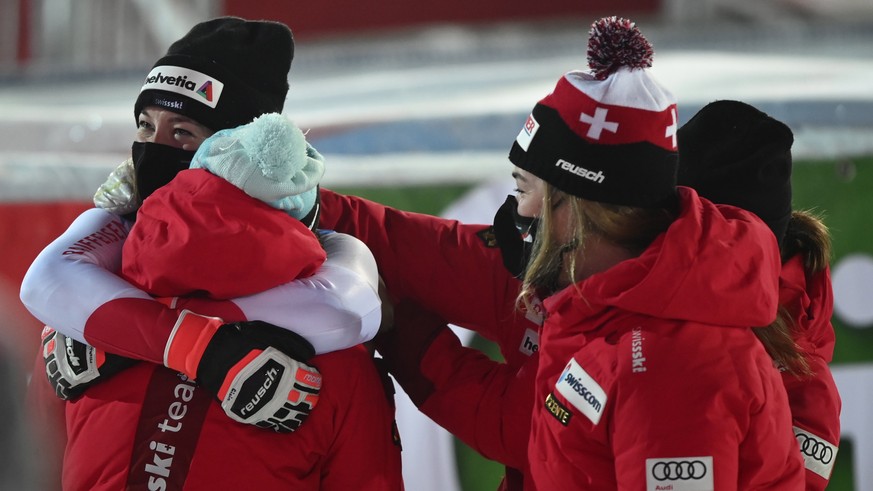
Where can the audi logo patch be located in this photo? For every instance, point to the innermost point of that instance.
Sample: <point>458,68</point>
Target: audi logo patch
<point>818,454</point>
<point>679,474</point>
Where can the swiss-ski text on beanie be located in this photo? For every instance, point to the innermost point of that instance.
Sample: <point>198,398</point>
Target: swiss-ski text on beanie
<point>607,134</point>
<point>223,73</point>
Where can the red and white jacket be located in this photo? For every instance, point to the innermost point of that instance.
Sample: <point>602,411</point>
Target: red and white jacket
<point>73,286</point>
<point>150,428</point>
<point>650,376</point>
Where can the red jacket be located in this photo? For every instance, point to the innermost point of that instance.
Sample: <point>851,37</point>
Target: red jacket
<point>199,231</point>
<point>150,428</point>
<point>650,376</point>
<point>462,390</point>
<point>815,402</point>
<point>439,263</point>
<point>455,270</point>
<point>344,444</point>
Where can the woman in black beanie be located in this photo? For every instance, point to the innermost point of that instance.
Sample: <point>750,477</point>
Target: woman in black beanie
<point>732,153</point>
<point>205,421</point>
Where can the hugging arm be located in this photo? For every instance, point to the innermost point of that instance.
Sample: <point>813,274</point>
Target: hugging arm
<point>72,287</point>
<point>109,315</point>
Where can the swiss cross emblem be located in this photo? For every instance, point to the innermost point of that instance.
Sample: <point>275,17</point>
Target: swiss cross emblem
<point>598,123</point>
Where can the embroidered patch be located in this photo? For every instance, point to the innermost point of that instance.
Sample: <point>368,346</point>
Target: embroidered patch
<point>558,410</point>
<point>486,235</point>
<point>535,312</point>
<point>581,391</point>
<point>525,136</point>
<point>679,474</point>
<point>531,342</point>
<point>818,454</point>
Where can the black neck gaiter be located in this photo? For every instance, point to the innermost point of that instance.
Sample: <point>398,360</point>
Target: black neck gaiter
<point>156,165</point>
<point>515,236</point>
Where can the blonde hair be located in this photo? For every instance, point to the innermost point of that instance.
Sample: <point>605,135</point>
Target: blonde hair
<point>635,229</point>
<point>629,227</point>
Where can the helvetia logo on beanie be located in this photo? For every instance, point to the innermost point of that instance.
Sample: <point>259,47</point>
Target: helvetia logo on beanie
<point>205,90</point>
<point>190,83</point>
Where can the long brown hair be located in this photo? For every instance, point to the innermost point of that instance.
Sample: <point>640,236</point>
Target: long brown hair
<point>806,235</point>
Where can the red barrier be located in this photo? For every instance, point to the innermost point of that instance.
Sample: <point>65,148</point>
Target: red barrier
<point>24,15</point>
<point>26,229</point>
<point>345,16</point>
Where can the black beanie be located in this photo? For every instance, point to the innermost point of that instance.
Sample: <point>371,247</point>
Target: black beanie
<point>224,73</point>
<point>734,154</point>
<point>607,134</point>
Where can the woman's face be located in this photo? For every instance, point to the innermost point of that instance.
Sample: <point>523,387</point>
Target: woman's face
<point>530,190</point>
<point>158,125</point>
<point>530,194</point>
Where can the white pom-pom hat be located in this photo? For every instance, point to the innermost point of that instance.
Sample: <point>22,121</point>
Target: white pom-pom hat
<point>269,159</point>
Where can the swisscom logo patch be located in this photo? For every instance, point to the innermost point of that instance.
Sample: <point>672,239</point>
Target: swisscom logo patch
<point>582,391</point>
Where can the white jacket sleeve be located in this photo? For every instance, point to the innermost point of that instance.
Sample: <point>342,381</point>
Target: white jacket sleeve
<point>75,275</point>
<point>339,306</point>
